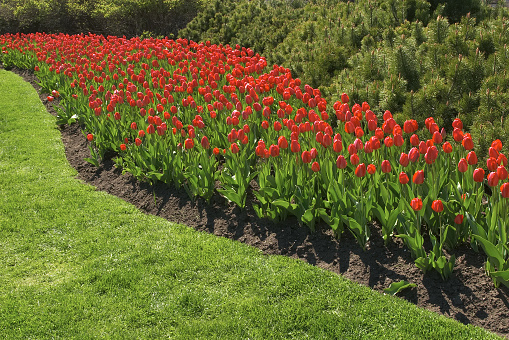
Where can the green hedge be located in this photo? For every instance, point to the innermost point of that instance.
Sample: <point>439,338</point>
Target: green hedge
<point>108,17</point>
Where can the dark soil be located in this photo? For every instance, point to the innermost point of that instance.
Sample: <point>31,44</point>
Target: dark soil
<point>468,296</point>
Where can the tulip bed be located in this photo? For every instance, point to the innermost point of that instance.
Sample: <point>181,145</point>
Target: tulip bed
<point>214,118</point>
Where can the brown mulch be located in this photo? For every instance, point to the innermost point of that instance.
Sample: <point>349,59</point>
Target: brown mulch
<point>468,296</point>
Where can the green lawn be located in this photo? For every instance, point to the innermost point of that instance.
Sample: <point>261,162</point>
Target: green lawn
<point>78,263</point>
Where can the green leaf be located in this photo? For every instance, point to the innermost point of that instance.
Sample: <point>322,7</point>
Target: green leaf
<point>92,161</point>
<point>380,213</point>
<point>476,228</point>
<point>397,287</point>
<point>501,276</point>
<point>493,253</point>
<point>232,196</point>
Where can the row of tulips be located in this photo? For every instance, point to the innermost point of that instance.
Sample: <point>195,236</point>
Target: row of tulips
<point>214,118</point>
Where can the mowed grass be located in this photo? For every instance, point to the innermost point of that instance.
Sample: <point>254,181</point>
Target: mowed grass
<point>76,263</point>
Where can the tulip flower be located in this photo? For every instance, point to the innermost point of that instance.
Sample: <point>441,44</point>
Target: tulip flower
<point>403,159</point>
<point>467,143</point>
<point>123,147</point>
<point>472,158</point>
<point>386,166</point>
<point>416,204</point>
<point>492,179</point>
<point>403,178</point>
<point>447,147</point>
<point>462,165</point>
<point>478,175</point>
<point>90,137</point>
<point>491,164</point>
<point>504,190</point>
<point>306,156</point>
<point>497,145</point>
<point>234,148</point>
<point>315,167</point>
<point>360,171</point>
<point>274,150</point>
<point>437,206</point>
<point>294,146</point>
<point>418,177</point>
<point>413,155</point>
<point>502,173</point>
<point>371,169</point>
<point>457,124</point>
<point>354,159</point>
<point>458,219</point>
<point>341,162</point>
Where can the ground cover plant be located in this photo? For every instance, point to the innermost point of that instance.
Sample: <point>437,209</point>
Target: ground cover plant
<point>78,263</point>
<point>215,118</point>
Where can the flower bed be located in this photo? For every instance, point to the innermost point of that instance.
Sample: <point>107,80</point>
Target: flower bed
<point>213,118</point>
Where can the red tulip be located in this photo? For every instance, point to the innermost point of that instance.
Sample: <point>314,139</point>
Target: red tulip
<point>418,177</point>
<point>360,171</point>
<point>216,151</point>
<point>408,127</point>
<point>50,98</point>
<point>447,147</point>
<point>274,150</point>
<point>189,143</point>
<point>205,142</point>
<point>497,145</point>
<point>90,137</point>
<point>294,146</point>
<point>416,204</point>
<point>341,162</point>
<point>502,173</point>
<point>414,140</point>
<point>492,179</point>
<point>282,142</point>
<point>371,169</point>
<point>457,124</point>
<point>398,140</point>
<point>458,219</point>
<point>491,164</point>
<point>354,159</point>
<point>388,141</point>
<point>437,137</point>
<point>344,98</point>
<point>413,155</point>
<point>462,165</point>
<point>137,141</point>
<point>423,148</point>
<point>337,146</point>
<point>467,143</point>
<point>306,156</point>
<point>457,135</point>
<point>471,158</point>
<point>313,153</point>
<point>367,147</point>
<point>504,190</point>
<point>493,152</point>
<point>403,178</point>
<point>502,160</point>
<point>123,147</point>
<point>437,206</point>
<point>375,143</point>
<point>403,159</point>
<point>386,166</point>
<point>478,175</point>
<point>315,167</point>
<point>234,148</point>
